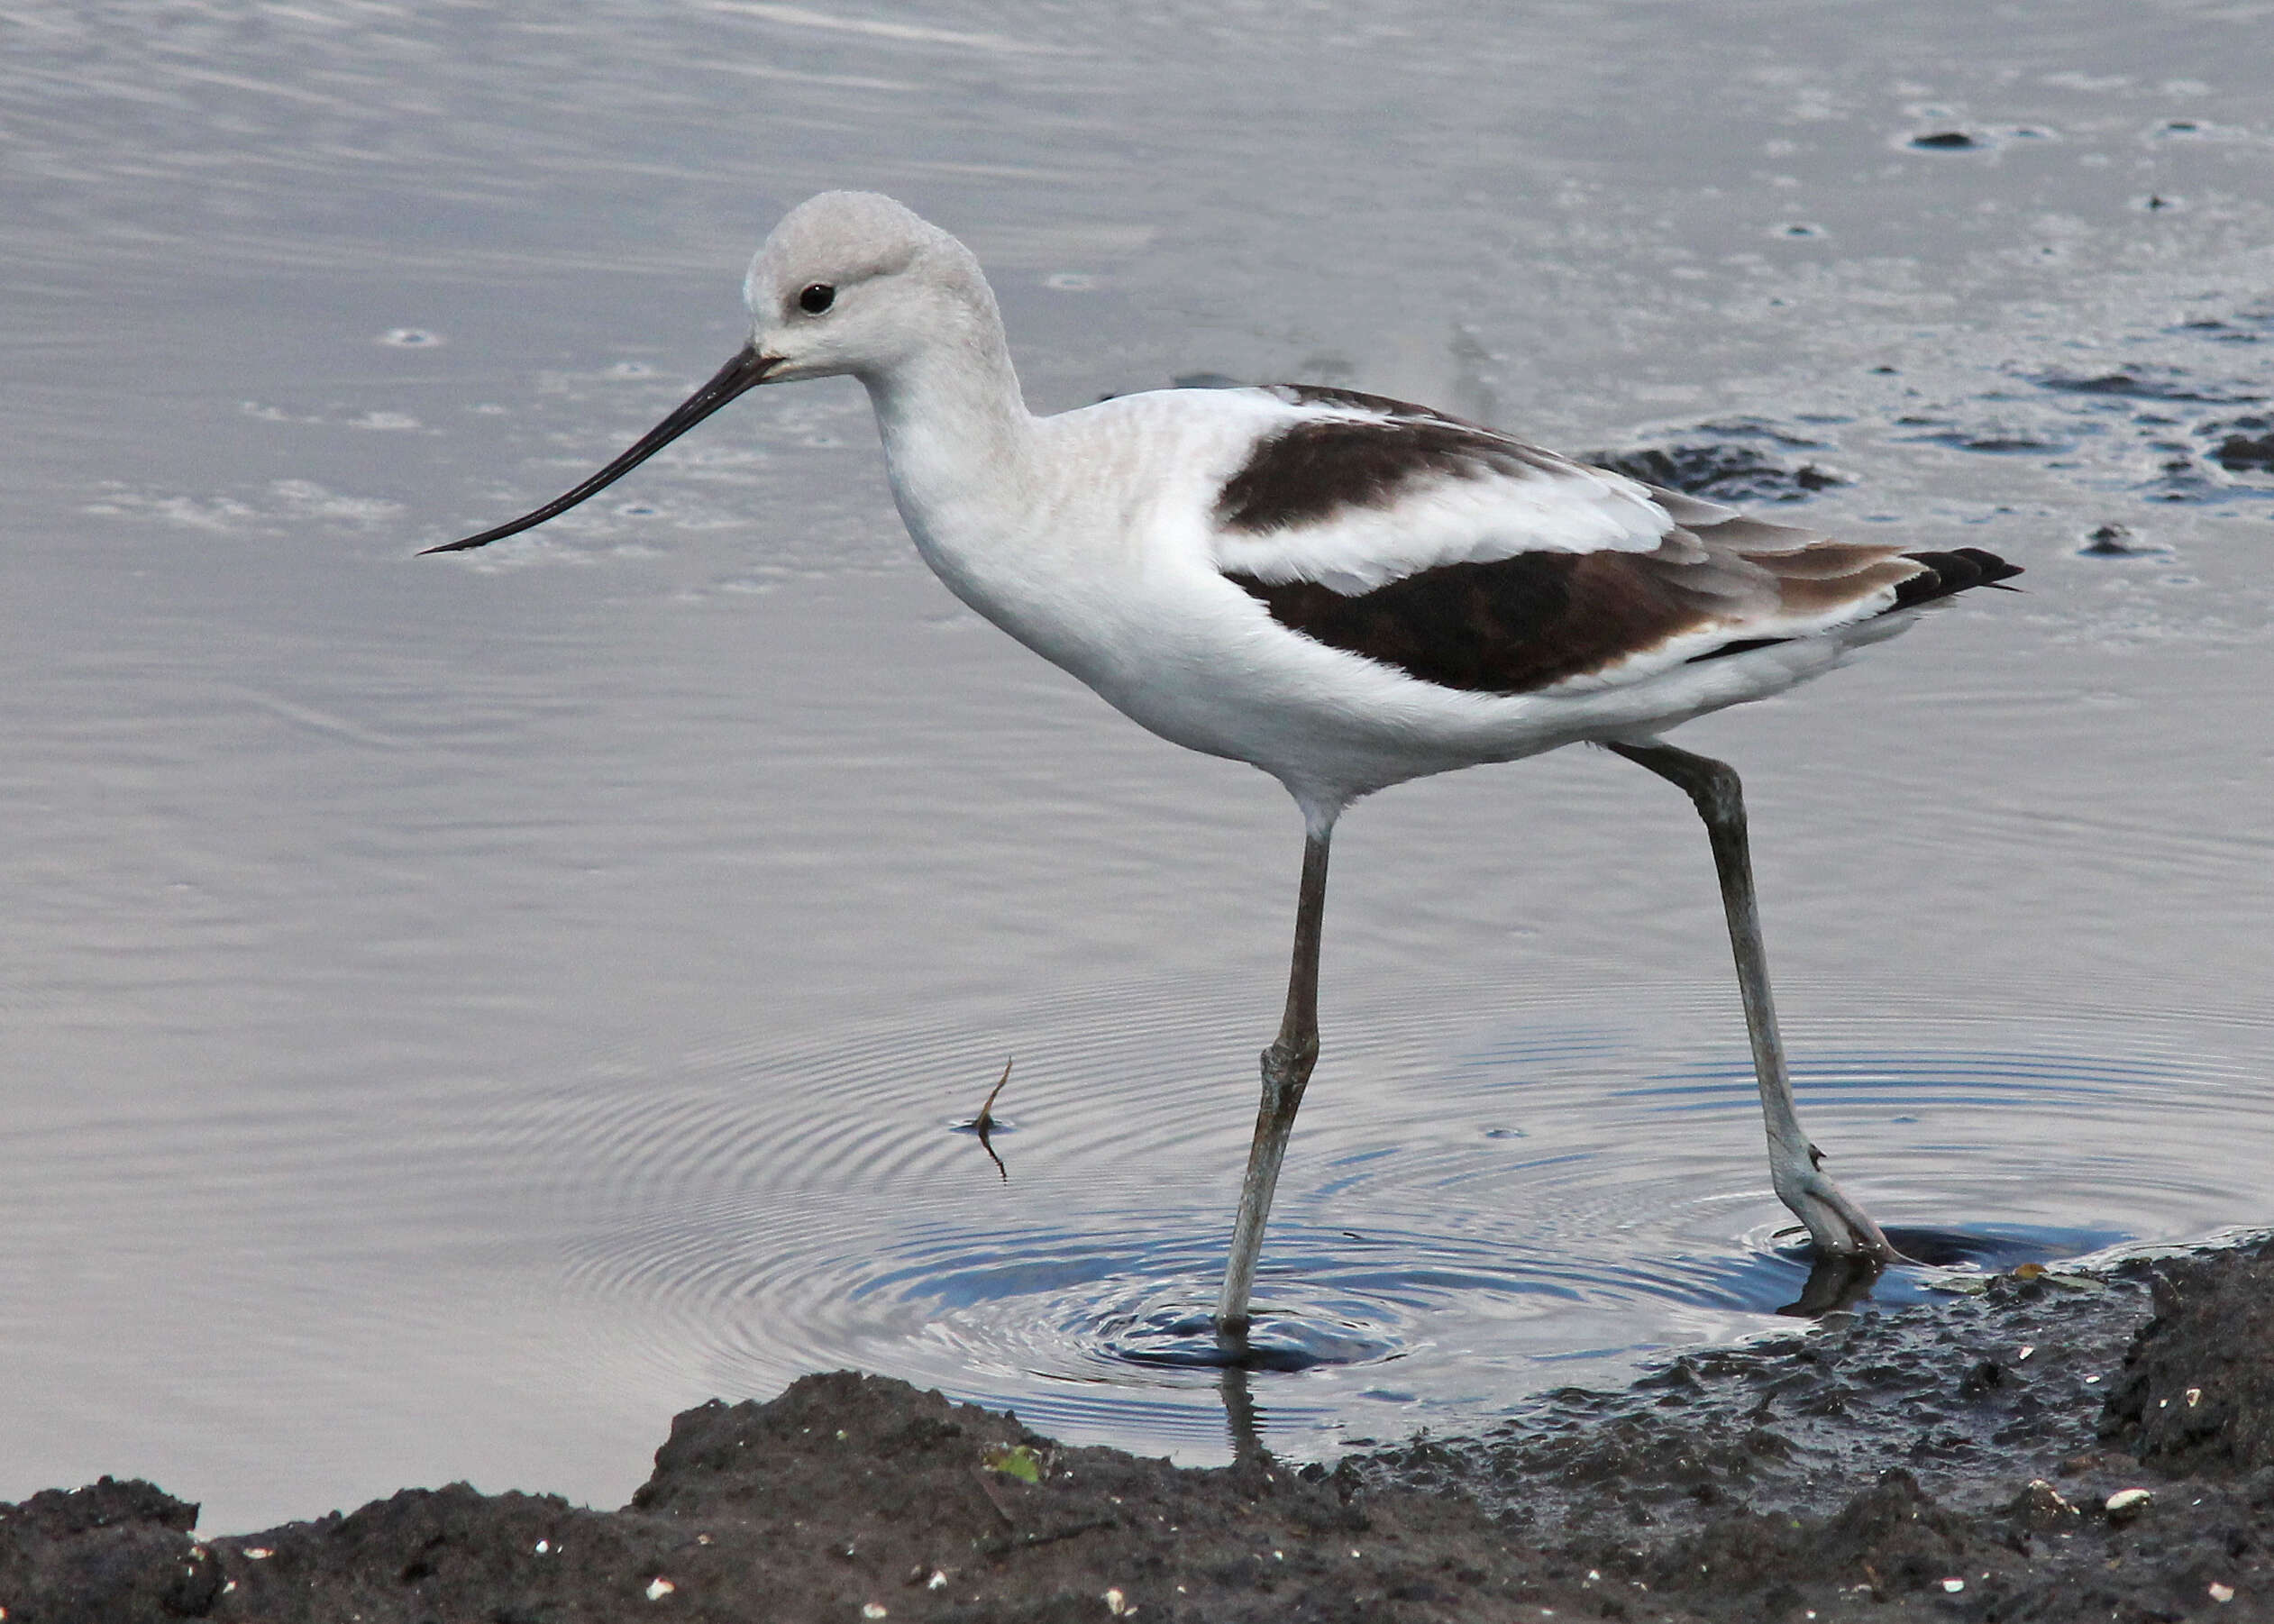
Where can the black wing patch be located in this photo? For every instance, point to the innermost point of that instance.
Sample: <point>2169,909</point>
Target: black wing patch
<point>1506,627</point>
<point>1314,469</point>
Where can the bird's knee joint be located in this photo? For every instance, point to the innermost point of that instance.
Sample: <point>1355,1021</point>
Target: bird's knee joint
<point>1287,1065</point>
<point>1719,793</point>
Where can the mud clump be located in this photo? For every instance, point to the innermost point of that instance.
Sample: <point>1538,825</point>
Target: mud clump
<point>2198,1393</point>
<point>848,1497</point>
<point>112,1550</point>
<point>1892,1539</point>
<point>2113,540</point>
<point>1719,471</point>
<point>2240,454</point>
<point>1939,1462</point>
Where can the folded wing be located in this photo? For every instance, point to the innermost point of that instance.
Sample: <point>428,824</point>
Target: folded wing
<point>1473,560</point>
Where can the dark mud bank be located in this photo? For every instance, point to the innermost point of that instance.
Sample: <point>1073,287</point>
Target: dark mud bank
<point>1979,1459</point>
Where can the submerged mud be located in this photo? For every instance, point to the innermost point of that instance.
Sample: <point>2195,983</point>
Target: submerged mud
<point>1735,462</point>
<point>2058,1447</point>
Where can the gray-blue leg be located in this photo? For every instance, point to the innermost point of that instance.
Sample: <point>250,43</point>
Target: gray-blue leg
<point>1838,1225</point>
<point>1286,1073</point>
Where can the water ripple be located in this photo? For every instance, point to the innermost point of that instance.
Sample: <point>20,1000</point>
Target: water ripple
<point>1471,1208</point>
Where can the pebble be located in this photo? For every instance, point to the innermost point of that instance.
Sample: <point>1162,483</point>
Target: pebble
<point>2126,1504</point>
<point>2042,1505</point>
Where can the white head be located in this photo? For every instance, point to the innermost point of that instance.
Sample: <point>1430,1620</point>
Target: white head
<point>852,282</point>
<point>849,282</point>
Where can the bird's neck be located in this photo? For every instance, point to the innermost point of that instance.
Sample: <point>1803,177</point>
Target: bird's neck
<point>959,441</point>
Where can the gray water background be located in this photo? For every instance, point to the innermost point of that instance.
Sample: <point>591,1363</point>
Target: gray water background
<point>455,1012</point>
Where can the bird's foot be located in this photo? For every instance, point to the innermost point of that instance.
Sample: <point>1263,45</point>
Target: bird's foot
<point>1231,1339</point>
<point>1838,1225</point>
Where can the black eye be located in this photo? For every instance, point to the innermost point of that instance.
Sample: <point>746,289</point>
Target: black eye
<point>816,298</point>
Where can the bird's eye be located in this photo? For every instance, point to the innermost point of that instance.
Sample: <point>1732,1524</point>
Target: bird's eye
<point>816,298</point>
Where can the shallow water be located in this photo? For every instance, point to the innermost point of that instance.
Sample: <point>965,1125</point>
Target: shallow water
<point>457,1011</point>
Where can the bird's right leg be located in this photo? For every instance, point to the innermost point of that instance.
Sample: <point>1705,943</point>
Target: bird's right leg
<point>1286,1073</point>
<point>1837,1224</point>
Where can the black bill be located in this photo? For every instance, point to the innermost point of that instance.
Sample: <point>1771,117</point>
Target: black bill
<point>746,372</point>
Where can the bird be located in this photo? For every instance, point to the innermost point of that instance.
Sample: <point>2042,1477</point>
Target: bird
<point>1344,590</point>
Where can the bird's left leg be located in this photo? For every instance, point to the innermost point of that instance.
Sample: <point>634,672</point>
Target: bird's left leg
<point>1286,1073</point>
<point>1838,1225</point>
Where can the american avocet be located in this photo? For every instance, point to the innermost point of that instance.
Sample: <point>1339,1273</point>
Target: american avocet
<point>1344,590</point>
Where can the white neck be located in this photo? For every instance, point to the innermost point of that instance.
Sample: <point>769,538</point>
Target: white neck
<point>959,442</point>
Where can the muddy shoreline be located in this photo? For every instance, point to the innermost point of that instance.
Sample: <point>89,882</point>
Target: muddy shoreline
<point>1972,1458</point>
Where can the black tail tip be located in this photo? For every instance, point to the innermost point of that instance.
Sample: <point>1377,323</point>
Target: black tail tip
<point>1958,570</point>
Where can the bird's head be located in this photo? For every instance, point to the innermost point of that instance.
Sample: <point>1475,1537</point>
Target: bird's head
<point>852,282</point>
<point>848,282</point>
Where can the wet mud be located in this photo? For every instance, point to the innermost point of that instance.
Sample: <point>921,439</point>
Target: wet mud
<point>1743,461</point>
<point>2044,1446</point>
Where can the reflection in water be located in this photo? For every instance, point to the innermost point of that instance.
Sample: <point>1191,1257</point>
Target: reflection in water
<point>1240,1416</point>
<point>1835,1284</point>
<point>984,1126</point>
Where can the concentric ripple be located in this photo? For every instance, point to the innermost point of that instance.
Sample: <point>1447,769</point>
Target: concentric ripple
<point>1473,1209</point>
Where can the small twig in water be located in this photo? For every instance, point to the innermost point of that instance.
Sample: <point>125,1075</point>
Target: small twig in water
<point>984,1123</point>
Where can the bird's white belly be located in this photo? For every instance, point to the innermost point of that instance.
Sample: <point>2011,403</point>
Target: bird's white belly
<point>1202,669</point>
<point>1195,660</point>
